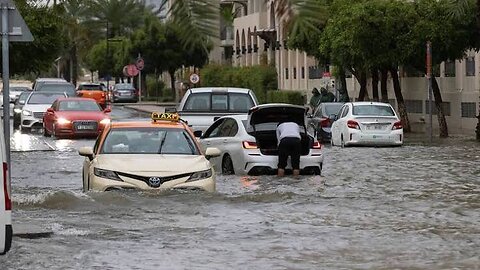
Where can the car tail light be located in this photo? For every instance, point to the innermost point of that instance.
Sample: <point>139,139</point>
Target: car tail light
<point>8,202</point>
<point>325,122</point>
<point>316,145</point>
<point>397,125</point>
<point>353,124</point>
<point>103,95</point>
<point>249,145</point>
<point>79,94</point>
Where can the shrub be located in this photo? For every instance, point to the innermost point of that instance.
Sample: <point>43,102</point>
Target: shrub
<point>260,79</point>
<point>286,96</point>
<point>155,87</point>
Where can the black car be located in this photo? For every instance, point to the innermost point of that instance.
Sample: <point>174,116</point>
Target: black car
<point>320,121</point>
<point>124,92</point>
<point>17,108</point>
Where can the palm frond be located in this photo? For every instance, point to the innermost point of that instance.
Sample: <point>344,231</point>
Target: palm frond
<point>459,7</point>
<point>197,20</point>
<point>301,16</point>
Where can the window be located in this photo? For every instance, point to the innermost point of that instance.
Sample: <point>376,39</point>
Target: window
<point>445,108</point>
<point>75,105</point>
<point>219,102</point>
<point>470,66</point>
<point>286,73</point>
<point>229,128</point>
<point>469,109</point>
<point>449,68</point>
<point>294,73</point>
<point>345,111</point>
<point>414,106</point>
<point>214,130</point>
<point>240,102</point>
<point>231,102</point>
<point>303,72</point>
<point>314,72</point>
<point>373,110</point>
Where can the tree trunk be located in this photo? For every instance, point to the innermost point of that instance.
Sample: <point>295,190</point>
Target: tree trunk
<point>172,83</point>
<point>442,122</point>
<point>362,80</point>
<point>402,109</point>
<point>342,86</point>
<point>74,63</point>
<point>383,85</point>
<point>375,84</point>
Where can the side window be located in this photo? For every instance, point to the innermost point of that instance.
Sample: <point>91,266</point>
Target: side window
<point>234,130</point>
<point>240,102</point>
<point>214,130</point>
<point>229,128</point>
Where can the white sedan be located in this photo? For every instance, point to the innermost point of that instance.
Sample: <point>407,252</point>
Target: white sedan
<point>367,123</point>
<point>248,143</point>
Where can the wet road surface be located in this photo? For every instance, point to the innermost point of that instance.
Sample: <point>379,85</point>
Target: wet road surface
<point>414,207</point>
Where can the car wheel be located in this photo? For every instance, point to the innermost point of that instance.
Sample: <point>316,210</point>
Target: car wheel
<point>342,142</point>
<point>25,129</point>
<point>227,165</point>
<point>16,124</point>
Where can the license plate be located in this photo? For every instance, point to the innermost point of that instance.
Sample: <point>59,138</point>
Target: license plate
<point>83,127</point>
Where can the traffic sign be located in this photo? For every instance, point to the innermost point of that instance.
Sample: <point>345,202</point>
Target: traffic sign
<point>194,78</point>
<point>140,64</point>
<point>17,28</point>
<point>130,70</point>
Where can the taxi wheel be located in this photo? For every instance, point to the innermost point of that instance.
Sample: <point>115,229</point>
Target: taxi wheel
<point>227,165</point>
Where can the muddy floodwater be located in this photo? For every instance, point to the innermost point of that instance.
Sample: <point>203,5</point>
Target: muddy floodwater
<point>412,207</point>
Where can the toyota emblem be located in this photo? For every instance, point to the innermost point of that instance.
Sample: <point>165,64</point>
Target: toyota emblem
<point>154,181</point>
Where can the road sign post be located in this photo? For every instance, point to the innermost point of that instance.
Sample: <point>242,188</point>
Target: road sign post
<point>139,64</point>
<point>13,29</point>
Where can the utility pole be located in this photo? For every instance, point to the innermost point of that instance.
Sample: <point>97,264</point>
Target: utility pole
<point>429,77</point>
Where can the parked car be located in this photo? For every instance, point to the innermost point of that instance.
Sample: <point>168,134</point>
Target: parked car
<point>35,107</point>
<point>248,143</point>
<point>320,121</point>
<point>17,109</point>
<point>367,123</point>
<point>124,92</point>
<point>57,87</point>
<point>200,107</point>
<point>156,155</point>
<point>39,81</point>
<point>15,91</point>
<point>95,91</point>
<point>6,231</point>
<point>75,117</point>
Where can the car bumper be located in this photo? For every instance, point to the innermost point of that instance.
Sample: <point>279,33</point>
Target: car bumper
<point>103,184</point>
<point>70,132</point>
<point>31,122</point>
<point>395,138</point>
<point>125,98</point>
<point>257,163</point>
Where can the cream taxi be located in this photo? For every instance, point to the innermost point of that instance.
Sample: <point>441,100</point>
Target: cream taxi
<point>156,155</point>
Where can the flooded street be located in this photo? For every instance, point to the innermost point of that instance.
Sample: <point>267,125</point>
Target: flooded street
<point>412,207</point>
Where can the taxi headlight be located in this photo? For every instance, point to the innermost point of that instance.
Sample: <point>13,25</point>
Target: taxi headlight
<point>200,175</point>
<point>62,121</point>
<point>106,174</point>
<point>17,110</point>
<point>105,121</point>
<point>26,113</point>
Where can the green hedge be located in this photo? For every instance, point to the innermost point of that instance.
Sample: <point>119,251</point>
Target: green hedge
<point>260,79</point>
<point>154,86</point>
<point>286,96</point>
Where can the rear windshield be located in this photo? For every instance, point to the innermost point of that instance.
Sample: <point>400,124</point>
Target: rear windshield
<point>76,105</point>
<point>221,102</point>
<point>124,87</point>
<point>66,88</point>
<point>329,109</point>
<point>173,141</point>
<point>377,110</point>
<point>43,98</point>
<point>92,87</point>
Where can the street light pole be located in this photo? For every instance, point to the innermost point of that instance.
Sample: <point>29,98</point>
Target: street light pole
<point>107,61</point>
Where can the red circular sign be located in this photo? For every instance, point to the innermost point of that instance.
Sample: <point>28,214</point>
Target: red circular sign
<point>132,70</point>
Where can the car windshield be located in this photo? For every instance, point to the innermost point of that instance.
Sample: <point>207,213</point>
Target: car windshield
<point>19,88</point>
<point>378,110</point>
<point>23,96</point>
<point>329,109</point>
<point>78,105</point>
<point>173,141</point>
<point>48,87</point>
<point>44,98</point>
<point>231,102</point>
<point>90,87</point>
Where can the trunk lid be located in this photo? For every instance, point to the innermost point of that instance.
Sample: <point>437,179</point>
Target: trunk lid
<point>376,124</point>
<point>266,117</point>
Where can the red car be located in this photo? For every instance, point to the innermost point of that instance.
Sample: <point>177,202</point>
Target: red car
<point>75,117</point>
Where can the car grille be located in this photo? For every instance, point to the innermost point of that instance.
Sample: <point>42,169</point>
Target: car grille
<point>158,180</point>
<point>85,126</point>
<point>38,115</point>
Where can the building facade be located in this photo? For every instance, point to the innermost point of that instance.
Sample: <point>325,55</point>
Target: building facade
<point>260,37</point>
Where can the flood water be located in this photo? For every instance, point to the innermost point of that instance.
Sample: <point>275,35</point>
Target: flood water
<point>413,207</point>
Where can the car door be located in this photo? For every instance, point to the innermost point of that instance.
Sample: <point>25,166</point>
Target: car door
<point>211,138</point>
<point>49,117</point>
<point>232,144</point>
<point>342,122</point>
<point>336,127</point>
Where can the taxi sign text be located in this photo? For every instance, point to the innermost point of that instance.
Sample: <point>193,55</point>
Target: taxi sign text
<point>165,117</point>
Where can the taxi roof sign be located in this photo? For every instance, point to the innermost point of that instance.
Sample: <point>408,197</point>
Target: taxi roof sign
<point>172,117</point>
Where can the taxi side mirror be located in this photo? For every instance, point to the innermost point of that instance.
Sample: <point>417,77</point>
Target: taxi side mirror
<point>50,110</point>
<point>212,152</point>
<point>107,110</point>
<point>198,133</point>
<point>86,152</point>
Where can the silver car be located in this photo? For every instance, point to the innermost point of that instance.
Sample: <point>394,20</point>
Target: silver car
<point>248,143</point>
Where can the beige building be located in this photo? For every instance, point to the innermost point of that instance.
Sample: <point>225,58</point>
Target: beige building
<point>260,37</point>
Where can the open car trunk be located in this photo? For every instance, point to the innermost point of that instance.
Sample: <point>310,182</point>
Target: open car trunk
<point>268,145</point>
<point>263,121</point>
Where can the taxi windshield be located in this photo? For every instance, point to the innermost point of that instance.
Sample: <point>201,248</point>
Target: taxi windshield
<point>174,141</point>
